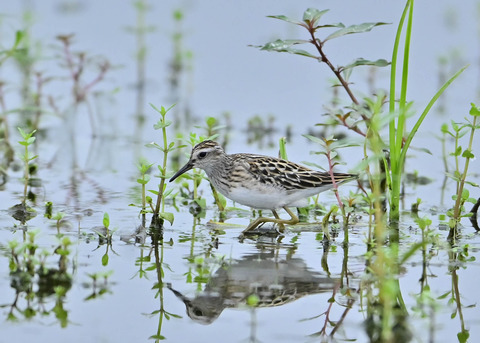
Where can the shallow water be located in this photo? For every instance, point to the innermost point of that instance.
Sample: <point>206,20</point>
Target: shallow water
<point>207,274</point>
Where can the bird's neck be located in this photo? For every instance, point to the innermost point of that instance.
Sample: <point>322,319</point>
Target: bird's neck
<point>220,166</point>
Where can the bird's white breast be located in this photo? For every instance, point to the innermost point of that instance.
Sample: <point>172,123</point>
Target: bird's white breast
<point>268,198</point>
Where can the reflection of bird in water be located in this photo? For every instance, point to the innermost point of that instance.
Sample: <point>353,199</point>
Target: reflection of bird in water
<point>275,282</point>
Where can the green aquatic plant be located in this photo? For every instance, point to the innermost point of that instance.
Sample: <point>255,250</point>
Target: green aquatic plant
<point>462,194</point>
<point>282,144</point>
<point>58,218</point>
<point>329,147</point>
<point>6,54</point>
<point>212,127</point>
<point>159,213</point>
<point>311,22</point>
<point>143,167</point>
<point>355,119</point>
<point>27,158</point>
<point>399,141</point>
<point>4,128</point>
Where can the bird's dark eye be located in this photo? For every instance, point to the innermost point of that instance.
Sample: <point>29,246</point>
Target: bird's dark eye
<point>197,312</point>
<point>202,154</point>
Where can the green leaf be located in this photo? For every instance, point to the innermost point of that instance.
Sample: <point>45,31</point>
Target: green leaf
<point>472,200</point>
<point>331,25</point>
<point>458,151</point>
<point>253,300</point>
<point>211,121</point>
<point>363,62</point>
<point>468,154</point>
<point>365,27</point>
<point>315,165</point>
<point>153,145</point>
<point>162,109</point>
<point>444,128</point>
<point>465,194</point>
<point>300,52</point>
<point>315,139</point>
<point>144,167</point>
<point>463,336</point>
<point>425,112</point>
<point>282,44</point>
<point>286,46</point>
<point>106,220</point>
<point>474,111</point>
<point>167,216</point>
<point>444,295</point>
<point>471,183</point>
<point>105,259</point>
<point>285,18</point>
<point>19,35</point>
<point>312,15</point>
<point>223,200</point>
<point>201,202</point>
<point>158,337</point>
<point>162,124</point>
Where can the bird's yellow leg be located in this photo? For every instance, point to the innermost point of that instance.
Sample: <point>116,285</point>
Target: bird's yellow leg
<point>257,222</point>
<point>292,221</point>
<point>281,227</point>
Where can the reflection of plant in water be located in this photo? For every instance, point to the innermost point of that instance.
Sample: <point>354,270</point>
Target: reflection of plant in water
<point>426,302</point>
<point>159,264</point>
<point>343,294</point>
<point>458,257</point>
<point>35,281</point>
<point>105,236</point>
<point>99,284</point>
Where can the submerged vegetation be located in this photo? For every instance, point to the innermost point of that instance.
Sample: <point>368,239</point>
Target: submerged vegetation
<point>381,238</point>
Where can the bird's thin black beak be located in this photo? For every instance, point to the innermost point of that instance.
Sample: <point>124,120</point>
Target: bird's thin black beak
<point>184,169</point>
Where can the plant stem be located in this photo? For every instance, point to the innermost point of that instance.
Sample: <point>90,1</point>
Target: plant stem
<point>396,130</point>
<point>319,45</point>
<point>458,202</point>
<point>26,175</point>
<point>444,152</point>
<point>161,187</point>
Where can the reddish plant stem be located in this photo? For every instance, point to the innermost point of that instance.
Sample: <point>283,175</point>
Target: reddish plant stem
<point>337,71</point>
<point>323,332</point>
<point>332,177</point>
